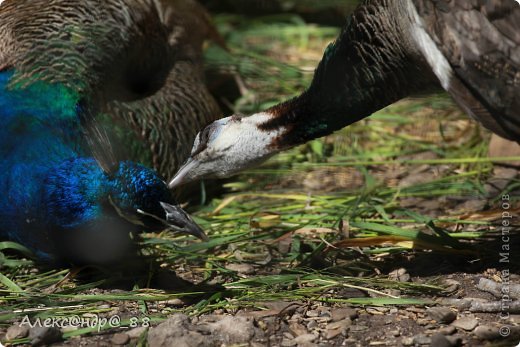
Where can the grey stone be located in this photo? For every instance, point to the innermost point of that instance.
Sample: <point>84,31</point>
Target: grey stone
<point>312,313</point>
<point>41,336</point>
<point>400,275</point>
<point>297,329</point>
<point>443,315</point>
<point>344,312</point>
<point>451,285</point>
<point>17,332</point>
<point>120,339</point>
<point>422,339</point>
<point>332,333</point>
<point>312,324</point>
<point>422,321</point>
<point>136,332</point>
<point>439,340</point>
<point>395,333</point>
<point>342,324</point>
<point>288,343</point>
<point>487,332</point>
<point>232,330</point>
<point>175,302</point>
<point>455,340</point>
<point>303,339</point>
<point>176,331</point>
<point>407,341</point>
<point>465,323</point>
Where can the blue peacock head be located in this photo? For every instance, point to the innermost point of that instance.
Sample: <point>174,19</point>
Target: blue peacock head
<point>79,192</point>
<point>139,195</point>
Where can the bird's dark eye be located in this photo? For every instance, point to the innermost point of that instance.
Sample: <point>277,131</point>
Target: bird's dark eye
<point>204,137</point>
<point>203,140</point>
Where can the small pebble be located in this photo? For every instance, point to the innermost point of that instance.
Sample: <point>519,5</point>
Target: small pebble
<point>407,341</point>
<point>393,292</point>
<point>395,333</point>
<point>332,333</point>
<point>312,313</point>
<point>288,335</point>
<point>465,323</point>
<point>423,322</point>
<point>120,339</point>
<point>297,329</point>
<point>305,338</point>
<point>448,330</point>
<point>455,340</point>
<point>400,275</point>
<point>175,302</point>
<point>443,315</point>
<point>439,340</point>
<point>17,332</point>
<point>451,285</point>
<point>342,324</point>
<point>342,313</point>
<point>416,309</point>
<point>312,324</point>
<point>288,343</point>
<point>41,336</point>
<point>422,339</point>
<point>325,314</point>
<point>487,332</point>
<point>136,332</point>
<point>377,310</point>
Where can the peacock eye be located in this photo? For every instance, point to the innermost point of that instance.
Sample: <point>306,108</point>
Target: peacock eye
<point>204,137</point>
<point>203,140</point>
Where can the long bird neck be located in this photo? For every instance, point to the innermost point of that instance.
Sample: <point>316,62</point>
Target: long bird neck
<point>367,68</point>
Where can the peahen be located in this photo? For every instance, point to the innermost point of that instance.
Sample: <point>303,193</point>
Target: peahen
<point>389,49</point>
<point>66,196</point>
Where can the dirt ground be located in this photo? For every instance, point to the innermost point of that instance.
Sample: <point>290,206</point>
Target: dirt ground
<point>479,304</point>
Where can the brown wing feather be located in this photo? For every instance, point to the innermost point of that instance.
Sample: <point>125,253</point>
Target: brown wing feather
<point>481,41</point>
<point>166,121</point>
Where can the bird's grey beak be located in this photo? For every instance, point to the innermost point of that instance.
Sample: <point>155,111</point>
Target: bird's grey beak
<point>183,175</point>
<point>180,221</point>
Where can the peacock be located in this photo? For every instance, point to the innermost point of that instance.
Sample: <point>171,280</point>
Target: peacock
<point>388,50</point>
<point>77,78</point>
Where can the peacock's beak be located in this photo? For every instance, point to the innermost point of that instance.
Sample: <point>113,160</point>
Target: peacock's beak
<point>179,220</point>
<point>184,174</point>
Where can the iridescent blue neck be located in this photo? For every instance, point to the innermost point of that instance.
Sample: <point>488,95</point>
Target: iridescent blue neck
<point>39,130</point>
<point>55,193</point>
